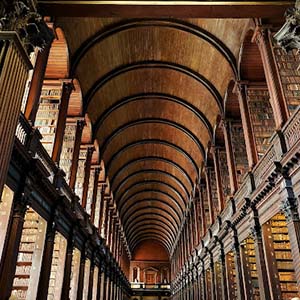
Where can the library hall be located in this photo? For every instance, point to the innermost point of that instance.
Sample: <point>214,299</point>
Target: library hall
<point>149,150</point>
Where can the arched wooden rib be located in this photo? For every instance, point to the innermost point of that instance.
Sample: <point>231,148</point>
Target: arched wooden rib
<point>127,125</point>
<point>120,205</point>
<point>124,214</point>
<point>121,200</point>
<point>151,171</point>
<point>133,226</point>
<point>144,216</point>
<point>140,211</point>
<point>154,22</point>
<point>156,158</point>
<point>147,96</point>
<point>150,237</point>
<point>151,64</point>
<point>131,235</point>
<point>157,232</point>
<point>150,141</point>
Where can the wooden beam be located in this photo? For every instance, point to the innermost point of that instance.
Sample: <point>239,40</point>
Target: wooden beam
<point>179,9</point>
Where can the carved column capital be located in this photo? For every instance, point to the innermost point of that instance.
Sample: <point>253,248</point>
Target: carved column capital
<point>290,209</point>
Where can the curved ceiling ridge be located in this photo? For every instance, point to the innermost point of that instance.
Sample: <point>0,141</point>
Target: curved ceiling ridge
<point>127,125</point>
<point>157,215</point>
<point>153,191</point>
<point>150,236</point>
<point>147,182</point>
<point>147,208</point>
<point>159,96</point>
<point>148,233</point>
<point>152,64</point>
<point>156,158</point>
<point>154,22</point>
<point>149,141</point>
<point>151,171</point>
<point>152,226</point>
<point>161,221</point>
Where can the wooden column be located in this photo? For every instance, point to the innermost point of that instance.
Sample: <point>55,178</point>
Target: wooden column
<point>216,159</point>
<point>102,209</point>
<point>230,156</point>
<point>271,265</point>
<point>14,67</point>
<point>277,98</point>
<point>223,272</point>
<point>209,195</point>
<point>99,282</point>
<point>36,84</point>
<point>68,269</point>
<point>264,288</point>
<point>213,285</point>
<point>14,232</point>
<point>246,273</point>
<point>87,170</point>
<point>247,127</point>
<point>77,143</point>
<point>43,284</point>
<point>202,210</point>
<point>290,208</point>
<point>103,282</point>
<point>61,122</point>
<point>238,267</point>
<point>91,280</point>
<point>81,276</point>
<point>95,194</point>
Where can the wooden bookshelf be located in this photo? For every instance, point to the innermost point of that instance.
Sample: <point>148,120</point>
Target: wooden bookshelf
<point>231,276</point>
<point>47,115</point>
<point>262,118</point>
<point>288,66</point>
<point>283,256</point>
<point>214,192</point>
<point>65,162</point>
<point>208,283</point>
<point>90,192</point>
<point>218,280</point>
<point>75,273</point>
<point>29,257</point>
<point>224,173</point>
<point>80,173</point>
<point>251,269</point>
<point>97,207</point>
<point>86,279</point>
<point>57,267</point>
<point>5,211</point>
<point>239,150</point>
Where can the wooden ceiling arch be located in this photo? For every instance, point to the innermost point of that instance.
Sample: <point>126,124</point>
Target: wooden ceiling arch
<point>149,142</point>
<point>150,210</point>
<point>153,172</point>
<point>175,165</point>
<point>152,194</point>
<point>178,126</point>
<point>154,185</point>
<point>158,216</point>
<point>146,96</point>
<point>151,233</point>
<point>170,23</point>
<point>159,166</point>
<point>168,235</point>
<point>151,64</point>
<point>153,110</point>
<point>163,222</point>
<point>151,237</point>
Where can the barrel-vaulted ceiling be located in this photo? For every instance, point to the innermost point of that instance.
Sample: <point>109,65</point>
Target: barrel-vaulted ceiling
<point>153,89</point>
